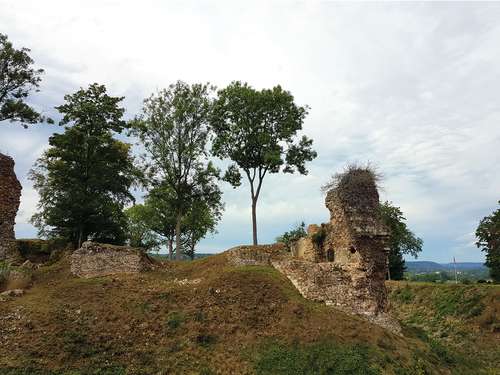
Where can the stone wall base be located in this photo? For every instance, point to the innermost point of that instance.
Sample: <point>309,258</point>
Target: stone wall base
<point>95,260</point>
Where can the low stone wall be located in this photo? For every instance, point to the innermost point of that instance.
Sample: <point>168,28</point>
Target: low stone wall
<point>260,255</point>
<point>95,259</point>
<point>334,285</point>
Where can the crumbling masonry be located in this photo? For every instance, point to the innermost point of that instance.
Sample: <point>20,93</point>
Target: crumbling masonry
<point>10,194</point>
<point>343,263</point>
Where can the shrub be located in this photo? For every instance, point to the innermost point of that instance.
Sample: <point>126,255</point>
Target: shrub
<point>352,175</point>
<point>319,237</point>
<point>288,238</point>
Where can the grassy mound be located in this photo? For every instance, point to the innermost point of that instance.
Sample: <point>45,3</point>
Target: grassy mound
<point>201,317</point>
<point>460,323</point>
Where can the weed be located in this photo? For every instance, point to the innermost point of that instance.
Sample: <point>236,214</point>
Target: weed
<point>174,320</point>
<point>76,344</point>
<point>205,340</point>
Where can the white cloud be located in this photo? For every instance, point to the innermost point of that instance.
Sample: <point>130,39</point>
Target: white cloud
<point>411,87</point>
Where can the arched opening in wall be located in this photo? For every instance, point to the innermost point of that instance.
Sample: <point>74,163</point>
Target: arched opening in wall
<point>352,250</point>
<point>330,255</point>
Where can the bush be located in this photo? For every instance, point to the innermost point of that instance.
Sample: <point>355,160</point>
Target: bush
<point>319,237</point>
<point>288,238</point>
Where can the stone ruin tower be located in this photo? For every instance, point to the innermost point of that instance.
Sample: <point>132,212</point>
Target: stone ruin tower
<point>344,262</point>
<point>356,237</point>
<point>10,194</point>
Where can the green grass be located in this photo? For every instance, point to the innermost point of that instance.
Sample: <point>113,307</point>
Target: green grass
<point>326,357</point>
<point>458,301</point>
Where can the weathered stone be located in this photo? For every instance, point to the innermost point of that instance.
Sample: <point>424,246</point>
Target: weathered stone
<point>342,263</point>
<point>259,255</point>
<point>12,293</point>
<point>95,260</point>
<point>10,194</point>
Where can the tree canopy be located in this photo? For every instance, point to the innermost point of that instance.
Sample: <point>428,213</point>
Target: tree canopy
<point>84,177</point>
<point>488,240</point>
<point>18,79</point>
<point>258,131</point>
<point>401,241</point>
<point>173,129</point>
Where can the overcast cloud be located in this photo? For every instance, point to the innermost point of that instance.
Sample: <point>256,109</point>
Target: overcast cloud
<point>410,87</point>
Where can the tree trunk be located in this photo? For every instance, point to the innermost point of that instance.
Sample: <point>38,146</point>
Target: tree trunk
<point>254,220</point>
<point>170,249</point>
<point>178,237</point>
<point>80,235</point>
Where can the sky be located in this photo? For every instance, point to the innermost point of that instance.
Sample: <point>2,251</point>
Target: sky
<point>411,88</point>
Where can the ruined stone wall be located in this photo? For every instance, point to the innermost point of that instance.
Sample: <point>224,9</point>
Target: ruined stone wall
<point>95,259</point>
<point>342,263</point>
<point>306,249</point>
<point>10,194</point>
<point>259,255</point>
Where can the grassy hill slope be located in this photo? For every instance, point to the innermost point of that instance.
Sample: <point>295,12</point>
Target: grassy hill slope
<point>205,317</point>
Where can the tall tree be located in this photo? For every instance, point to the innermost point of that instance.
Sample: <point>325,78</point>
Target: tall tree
<point>174,131</point>
<point>401,241</point>
<point>18,79</point>
<point>258,131</point>
<point>488,240</point>
<point>84,177</point>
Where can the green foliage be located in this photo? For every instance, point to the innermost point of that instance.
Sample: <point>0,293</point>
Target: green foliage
<point>488,240</point>
<point>139,233</point>
<point>288,238</point>
<point>258,130</point>
<point>77,345</point>
<point>18,79</point>
<point>403,295</point>
<point>84,177</point>
<point>174,131</point>
<point>457,301</point>
<point>401,241</point>
<point>4,271</point>
<point>321,358</point>
<point>319,237</point>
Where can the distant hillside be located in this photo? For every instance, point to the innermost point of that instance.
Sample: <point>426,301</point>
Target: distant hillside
<point>426,266</point>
